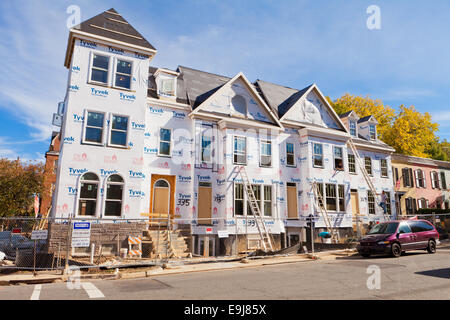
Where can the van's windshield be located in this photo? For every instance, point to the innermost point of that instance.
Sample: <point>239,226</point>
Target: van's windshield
<point>384,228</point>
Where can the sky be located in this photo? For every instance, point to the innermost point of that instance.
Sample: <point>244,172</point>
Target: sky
<point>291,43</point>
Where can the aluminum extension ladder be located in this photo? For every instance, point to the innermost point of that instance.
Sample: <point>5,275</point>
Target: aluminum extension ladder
<point>368,179</point>
<point>320,204</point>
<point>266,238</point>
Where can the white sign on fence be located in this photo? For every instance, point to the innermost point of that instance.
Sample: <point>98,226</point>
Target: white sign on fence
<point>39,235</point>
<point>222,233</point>
<point>81,234</point>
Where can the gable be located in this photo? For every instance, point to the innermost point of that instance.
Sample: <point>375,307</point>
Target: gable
<point>311,109</point>
<point>235,96</point>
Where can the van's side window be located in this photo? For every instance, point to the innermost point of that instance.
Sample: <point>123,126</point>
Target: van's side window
<point>404,228</point>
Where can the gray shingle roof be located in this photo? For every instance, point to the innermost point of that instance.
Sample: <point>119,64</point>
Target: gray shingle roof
<point>112,25</point>
<point>280,98</point>
<point>364,119</point>
<point>346,114</point>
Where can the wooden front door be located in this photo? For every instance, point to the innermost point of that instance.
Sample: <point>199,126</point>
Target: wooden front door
<point>204,205</point>
<point>292,201</point>
<point>162,196</point>
<point>355,208</point>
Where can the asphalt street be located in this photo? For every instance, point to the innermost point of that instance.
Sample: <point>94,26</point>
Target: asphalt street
<point>416,275</point>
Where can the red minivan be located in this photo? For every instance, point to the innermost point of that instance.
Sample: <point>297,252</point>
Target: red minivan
<point>396,237</point>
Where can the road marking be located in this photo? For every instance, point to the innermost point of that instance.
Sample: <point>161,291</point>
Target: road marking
<point>92,291</point>
<point>36,292</point>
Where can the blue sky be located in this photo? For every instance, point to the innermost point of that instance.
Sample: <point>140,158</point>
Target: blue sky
<point>293,43</point>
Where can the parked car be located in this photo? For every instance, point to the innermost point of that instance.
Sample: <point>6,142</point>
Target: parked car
<point>396,237</point>
<point>10,242</point>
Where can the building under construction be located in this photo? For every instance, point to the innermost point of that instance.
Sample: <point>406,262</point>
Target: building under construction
<point>232,163</point>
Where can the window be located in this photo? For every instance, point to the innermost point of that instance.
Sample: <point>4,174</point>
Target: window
<point>420,179</point>
<point>420,226</point>
<point>320,188</point>
<point>443,182</point>
<point>238,199</point>
<point>395,175</point>
<point>94,127</point>
<point>372,132</point>
<point>410,204</point>
<point>407,176</point>
<point>119,129</point>
<point>239,105</point>
<point>167,87</point>
<point>87,202</point>
<point>338,160</point>
<point>384,168</point>
<point>341,197</point>
<point>290,156</point>
<point>206,155</point>
<point>368,165</point>
<point>318,155</point>
<point>404,228</point>
<point>268,201</point>
<point>331,197</point>
<point>165,138</point>
<point>240,150</point>
<point>435,180</point>
<point>353,128</point>
<point>351,163</point>
<point>114,195</point>
<point>422,203</point>
<point>257,192</point>
<point>266,153</point>
<point>99,71</point>
<point>123,74</point>
<point>371,202</point>
<point>388,203</point>
<point>55,166</point>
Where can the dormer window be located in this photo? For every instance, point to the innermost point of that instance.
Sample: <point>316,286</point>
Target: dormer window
<point>353,128</point>
<point>167,87</point>
<point>372,132</point>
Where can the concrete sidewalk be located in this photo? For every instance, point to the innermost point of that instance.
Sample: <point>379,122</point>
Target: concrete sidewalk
<point>173,268</point>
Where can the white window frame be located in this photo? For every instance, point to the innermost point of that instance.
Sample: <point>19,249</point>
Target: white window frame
<point>245,151</point>
<point>264,201</point>
<point>110,129</point>
<point>86,113</point>
<point>210,145</point>
<point>349,163</point>
<point>371,202</point>
<point>314,154</point>
<point>159,143</point>
<point>381,168</point>
<point>334,158</point>
<point>78,198</point>
<point>293,155</point>
<point>266,141</point>
<point>353,122</point>
<point>371,166</point>
<point>105,194</point>
<point>244,208</point>
<point>374,133</point>
<point>91,65</point>
<point>161,83</point>
<point>116,59</point>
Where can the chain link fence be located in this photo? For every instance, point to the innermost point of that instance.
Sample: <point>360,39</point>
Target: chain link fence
<point>56,244</point>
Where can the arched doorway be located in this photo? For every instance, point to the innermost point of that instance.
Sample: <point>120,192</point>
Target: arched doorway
<point>161,197</point>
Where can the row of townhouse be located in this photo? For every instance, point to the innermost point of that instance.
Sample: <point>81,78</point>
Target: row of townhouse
<point>420,184</point>
<point>138,142</point>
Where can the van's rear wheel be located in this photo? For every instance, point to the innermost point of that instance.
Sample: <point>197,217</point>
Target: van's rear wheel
<point>431,246</point>
<point>396,250</point>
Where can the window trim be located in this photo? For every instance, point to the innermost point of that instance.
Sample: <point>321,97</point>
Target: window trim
<point>269,142</point>
<point>85,125</point>
<point>91,66</point>
<point>110,129</point>
<point>105,194</point>
<point>245,151</point>
<point>293,155</point>
<point>350,122</point>
<point>314,155</point>
<point>374,133</point>
<point>261,201</point>
<point>369,192</point>
<point>371,166</point>
<point>202,133</point>
<point>381,168</point>
<point>78,198</point>
<point>353,163</point>
<point>159,143</point>
<point>126,59</point>
<point>342,158</point>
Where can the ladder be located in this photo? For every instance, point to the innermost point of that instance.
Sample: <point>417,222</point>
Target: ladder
<point>320,204</point>
<point>367,178</point>
<point>265,236</point>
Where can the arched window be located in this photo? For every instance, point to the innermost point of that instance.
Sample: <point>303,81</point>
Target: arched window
<point>239,105</point>
<point>87,202</point>
<point>114,196</point>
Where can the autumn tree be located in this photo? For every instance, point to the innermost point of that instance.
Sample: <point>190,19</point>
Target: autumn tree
<point>365,106</point>
<point>19,182</point>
